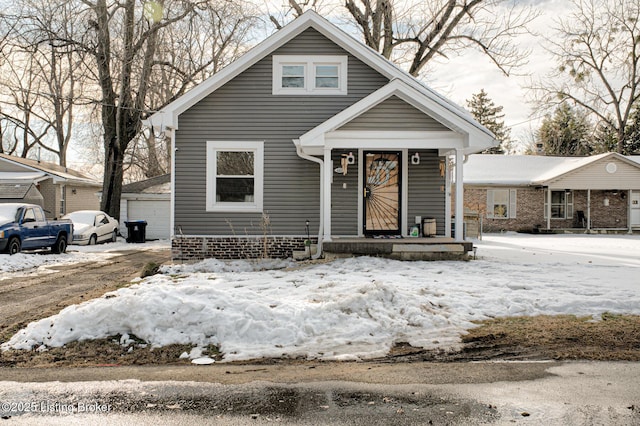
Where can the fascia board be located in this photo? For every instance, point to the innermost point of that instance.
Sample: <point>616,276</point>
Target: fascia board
<point>413,97</point>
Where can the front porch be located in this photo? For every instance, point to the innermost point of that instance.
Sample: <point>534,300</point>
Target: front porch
<point>435,248</point>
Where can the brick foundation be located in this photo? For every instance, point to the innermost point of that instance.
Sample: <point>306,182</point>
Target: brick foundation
<point>198,248</point>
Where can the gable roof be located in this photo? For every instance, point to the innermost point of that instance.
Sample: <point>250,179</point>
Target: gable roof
<point>168,116</point>
<point>528,170</point>
<point>34,170</point>
<point>409,94</point>
<point>155,185</point>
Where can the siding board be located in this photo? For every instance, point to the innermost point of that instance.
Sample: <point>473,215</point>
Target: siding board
<point>244,109</point>
<point>394,114</point>
<point>426,195</point>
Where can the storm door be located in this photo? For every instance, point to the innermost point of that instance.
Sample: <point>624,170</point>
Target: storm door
<point>381,193</point>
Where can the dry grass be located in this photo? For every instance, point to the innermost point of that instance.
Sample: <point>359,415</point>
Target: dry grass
<point>102,352</point>
<point>563,337</point>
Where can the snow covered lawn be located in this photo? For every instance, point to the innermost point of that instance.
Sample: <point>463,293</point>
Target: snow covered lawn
<point>359,307</point>
<point>43,261</point>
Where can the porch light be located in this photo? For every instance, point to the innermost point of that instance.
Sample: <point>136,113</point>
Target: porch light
<point>415,158</point>
<point>351,159</point>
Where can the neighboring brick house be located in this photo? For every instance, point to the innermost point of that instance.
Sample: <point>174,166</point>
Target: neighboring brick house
<point>57,189</point>
<point>538,193</point>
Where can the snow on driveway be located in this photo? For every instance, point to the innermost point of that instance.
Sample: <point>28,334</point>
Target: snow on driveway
<point>43,261</point>
<point>358,307</point>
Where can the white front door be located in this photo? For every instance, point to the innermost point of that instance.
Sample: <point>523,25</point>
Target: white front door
<point>635,209</point>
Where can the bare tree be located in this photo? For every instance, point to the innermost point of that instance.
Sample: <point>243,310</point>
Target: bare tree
<point>188,52</point>
<point>417,31</point>
<point>40,77</point>
<point>597,50</point>
<point>125,40</point>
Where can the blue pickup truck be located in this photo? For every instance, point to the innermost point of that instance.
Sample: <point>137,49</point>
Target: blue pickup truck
<point>24,226</point>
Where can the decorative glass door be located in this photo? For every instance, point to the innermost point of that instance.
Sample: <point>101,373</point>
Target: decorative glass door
<point>382,193</point>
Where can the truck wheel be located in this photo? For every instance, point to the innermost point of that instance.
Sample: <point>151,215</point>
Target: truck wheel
<point>61,245</point>
<point>92,240</point>
<point>14,246</point>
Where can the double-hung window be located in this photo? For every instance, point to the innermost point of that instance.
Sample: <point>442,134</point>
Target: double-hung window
<point>561,205</point>
<point>234,176</point>
<point>309,75</point>
<point>501,203</point>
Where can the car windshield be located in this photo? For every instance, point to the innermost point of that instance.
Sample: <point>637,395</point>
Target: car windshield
<point>86,218</point>
<point>8,212</point>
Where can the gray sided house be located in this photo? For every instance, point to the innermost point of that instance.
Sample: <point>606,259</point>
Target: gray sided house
<point>58,190</point>
<point>532,193</point>
<point>310,125</point>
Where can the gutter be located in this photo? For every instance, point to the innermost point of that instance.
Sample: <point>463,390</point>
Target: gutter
<point>320,162</point>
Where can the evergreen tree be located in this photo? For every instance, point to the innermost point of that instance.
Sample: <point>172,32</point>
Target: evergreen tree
<point>567,132</point>
<point>491,116</point>
<point>631,144</point>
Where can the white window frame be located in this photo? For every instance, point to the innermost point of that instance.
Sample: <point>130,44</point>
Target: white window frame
<point>511,195</point>
<point>309,63</point>
<point>567,204</point>
<point>213,147</point>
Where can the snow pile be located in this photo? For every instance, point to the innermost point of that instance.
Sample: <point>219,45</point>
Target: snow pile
<point>354,308</point>
<point>42,261</point>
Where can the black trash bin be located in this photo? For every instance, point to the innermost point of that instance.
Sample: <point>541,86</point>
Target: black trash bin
<point>136,231</point>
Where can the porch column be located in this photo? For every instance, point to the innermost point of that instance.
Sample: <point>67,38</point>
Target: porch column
<point>328,178</point>
<point>548,208</point>
<point>459,221</point>
<point>588,211</point>
<point>629,205</point>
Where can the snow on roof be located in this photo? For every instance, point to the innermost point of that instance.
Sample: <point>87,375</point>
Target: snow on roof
<point>22,177</point>
<point>485,169</point>
<point>496,170</point>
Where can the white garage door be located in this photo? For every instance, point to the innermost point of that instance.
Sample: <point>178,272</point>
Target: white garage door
<point>155,212</point>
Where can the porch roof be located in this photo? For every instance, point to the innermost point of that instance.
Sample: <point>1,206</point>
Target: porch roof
<point>463,133</point>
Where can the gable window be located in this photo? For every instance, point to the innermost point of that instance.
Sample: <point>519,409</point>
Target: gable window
<point>309,75</point>
<point>561,205</point>
<point>234,176</point>
<point>501,203</point>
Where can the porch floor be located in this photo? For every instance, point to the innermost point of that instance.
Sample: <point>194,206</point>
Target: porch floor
<point>434,248</point>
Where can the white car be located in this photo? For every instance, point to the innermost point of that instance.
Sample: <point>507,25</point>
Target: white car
<point>92,226</point>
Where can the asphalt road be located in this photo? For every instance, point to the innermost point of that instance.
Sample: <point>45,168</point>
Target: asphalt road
<point>594,393</point>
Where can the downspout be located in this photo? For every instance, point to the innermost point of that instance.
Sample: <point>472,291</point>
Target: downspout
<point>318,161</point>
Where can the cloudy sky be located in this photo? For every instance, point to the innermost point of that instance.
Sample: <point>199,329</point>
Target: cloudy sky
<point>457,80</point>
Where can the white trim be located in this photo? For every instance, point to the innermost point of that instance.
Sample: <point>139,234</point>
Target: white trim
<point>459,213</point>
<point>360,192</point>
<point>328,180</point>
<point>168,116</point>
<point>462,136</point>
<point>309,63</point>
<point>257,147</point>
<point>172,199</point>
<point>404,194</point>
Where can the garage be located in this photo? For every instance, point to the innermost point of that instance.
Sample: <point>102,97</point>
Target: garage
<point>148,200</point>
<point>155,212</point>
